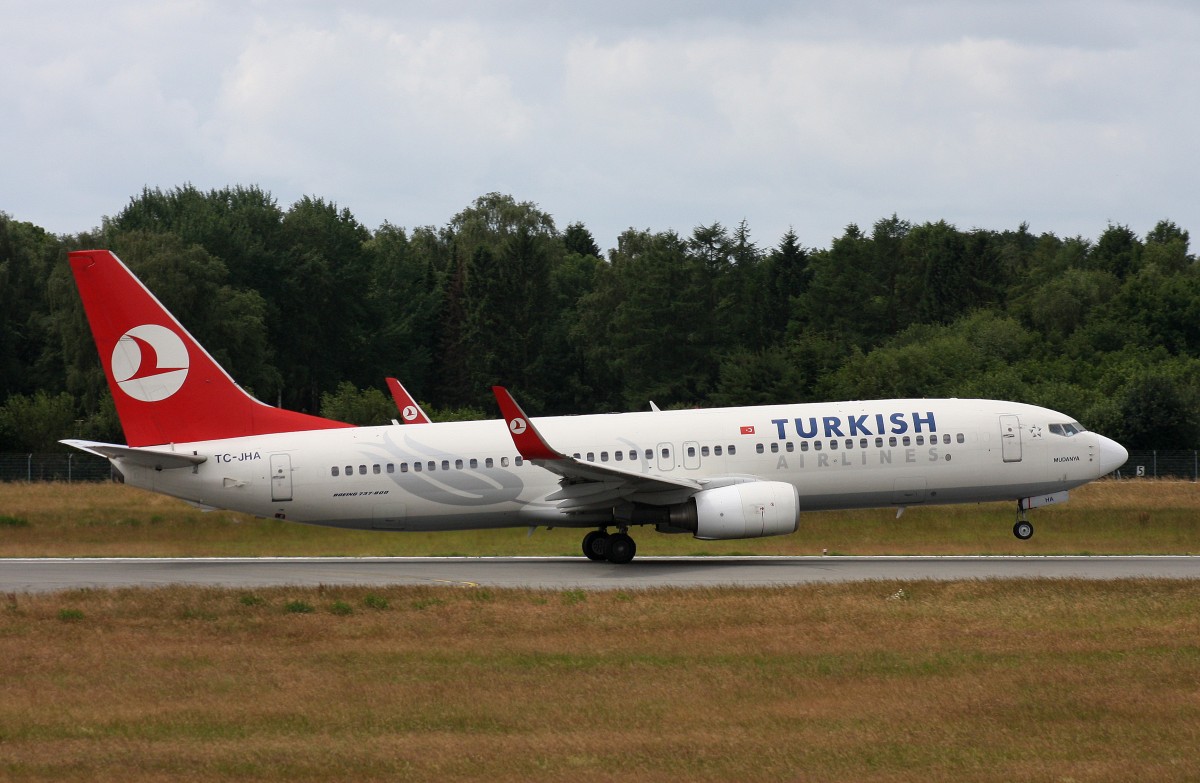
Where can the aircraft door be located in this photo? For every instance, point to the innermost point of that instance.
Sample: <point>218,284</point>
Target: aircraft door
<point>691,455</point>
<point>281,477</point>
<point>666,457</point>
<point>1010,438</point>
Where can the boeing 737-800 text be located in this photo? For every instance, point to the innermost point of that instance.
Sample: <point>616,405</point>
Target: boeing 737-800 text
<point>725,473</point>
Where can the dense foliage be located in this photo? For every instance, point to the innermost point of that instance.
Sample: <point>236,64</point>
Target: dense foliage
<point>309,309</point>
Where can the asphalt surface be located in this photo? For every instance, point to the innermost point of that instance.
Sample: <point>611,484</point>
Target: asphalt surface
<point>557,573</point>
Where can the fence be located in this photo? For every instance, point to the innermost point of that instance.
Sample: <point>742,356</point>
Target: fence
<point>89,467</point>
<point>1162,464</point>
<point>54,467</point>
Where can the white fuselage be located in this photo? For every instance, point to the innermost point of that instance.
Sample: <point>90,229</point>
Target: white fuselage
<point>463,475</point>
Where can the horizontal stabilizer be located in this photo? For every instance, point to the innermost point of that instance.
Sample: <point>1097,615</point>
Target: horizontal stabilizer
<point>146,458</point>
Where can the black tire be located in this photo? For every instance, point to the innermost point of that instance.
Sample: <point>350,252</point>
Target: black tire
<point>621,548</point>
<point>595,545</point>
<point>1023,530</point>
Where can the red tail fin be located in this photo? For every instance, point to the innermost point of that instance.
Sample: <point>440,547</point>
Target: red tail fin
<point>410,411</point>
<point>167,388</point>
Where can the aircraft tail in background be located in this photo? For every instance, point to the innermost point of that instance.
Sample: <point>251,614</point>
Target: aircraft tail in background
<point>410,411</point>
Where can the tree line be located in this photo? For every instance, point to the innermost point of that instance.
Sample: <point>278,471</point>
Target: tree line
<point>309,309</point>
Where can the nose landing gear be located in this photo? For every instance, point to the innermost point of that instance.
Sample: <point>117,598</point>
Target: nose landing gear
<point>600,545</point>
<point>1023,529</point>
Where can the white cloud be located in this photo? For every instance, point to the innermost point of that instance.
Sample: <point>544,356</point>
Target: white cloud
<point>663,115</point>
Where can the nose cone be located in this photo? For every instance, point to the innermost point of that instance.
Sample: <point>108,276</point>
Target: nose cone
<point>1112,455</point>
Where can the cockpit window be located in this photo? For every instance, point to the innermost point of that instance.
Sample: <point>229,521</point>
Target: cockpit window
<point>1068,429</point>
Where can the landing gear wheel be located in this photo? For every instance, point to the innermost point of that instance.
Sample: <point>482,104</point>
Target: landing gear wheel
<point>1023,530</point>
<point>595,545</point>
<point>620,548</point>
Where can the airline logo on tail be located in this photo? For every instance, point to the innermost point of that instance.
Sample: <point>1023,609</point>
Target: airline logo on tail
<point>150,363</point>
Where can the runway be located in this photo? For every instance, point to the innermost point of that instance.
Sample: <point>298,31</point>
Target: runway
<point>558,573</point>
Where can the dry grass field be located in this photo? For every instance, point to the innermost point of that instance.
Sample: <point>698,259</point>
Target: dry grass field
<point>983,681</point>
<point>1030,680</point>
<point>1106,517</point>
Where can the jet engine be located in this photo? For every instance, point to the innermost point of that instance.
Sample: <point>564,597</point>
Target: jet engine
<point>749,510</point>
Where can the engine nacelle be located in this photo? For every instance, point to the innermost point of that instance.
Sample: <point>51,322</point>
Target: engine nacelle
<point>750,510</point>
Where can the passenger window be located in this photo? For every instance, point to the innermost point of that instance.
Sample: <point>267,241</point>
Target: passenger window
<point>816,445</point>
<point>335,471</point>
<point>489,462</point>
<point>691,451</point>
<point>362,470</point>
<point>391,467</point>
<point>474,463</point>
<point>591,456</point>
<point>649,454</point>
<point>432,466</point>
<point>833,445</point>
<point>790,447</point>
<point>849,443</point>
<point>632,455</point>
<point>758,447</point>
<point>504,462</point>
<point>349,470</point>
<point>458,464</point>
<point>774,448</point>
<point>704,451</point>
<point>417,467</point>
<point>732,449</point>
<point>403,467</point>
<point>666,453</point>
<point>962,438</point>
<point>907,441</point>
<point>920,440</point>
<point>716,451</point>
<point>892,441</point>
<point>518,462</point>
<point>604,456</point>
<point>619,455</point>
<point>862,443</point>
<point>804,445</point>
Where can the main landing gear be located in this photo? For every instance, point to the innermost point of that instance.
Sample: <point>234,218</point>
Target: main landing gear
<point>1023,529</point>
<point>601,545</point>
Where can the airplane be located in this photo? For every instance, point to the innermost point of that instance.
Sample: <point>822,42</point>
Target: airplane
<point>410,410</point>
<point>718,474</point>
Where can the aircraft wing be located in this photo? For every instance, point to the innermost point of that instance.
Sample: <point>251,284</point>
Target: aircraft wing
<point>410,411</point>
<point>147,458</point>
<point>587,486</point>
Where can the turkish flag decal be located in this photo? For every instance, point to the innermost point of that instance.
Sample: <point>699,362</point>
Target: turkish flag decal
<point>747,430</point>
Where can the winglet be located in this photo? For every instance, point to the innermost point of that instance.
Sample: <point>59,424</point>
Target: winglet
<point>410,411</point>
<point>529,442</point>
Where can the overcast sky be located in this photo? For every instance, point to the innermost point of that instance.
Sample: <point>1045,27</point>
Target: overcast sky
<point>811,115</point>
